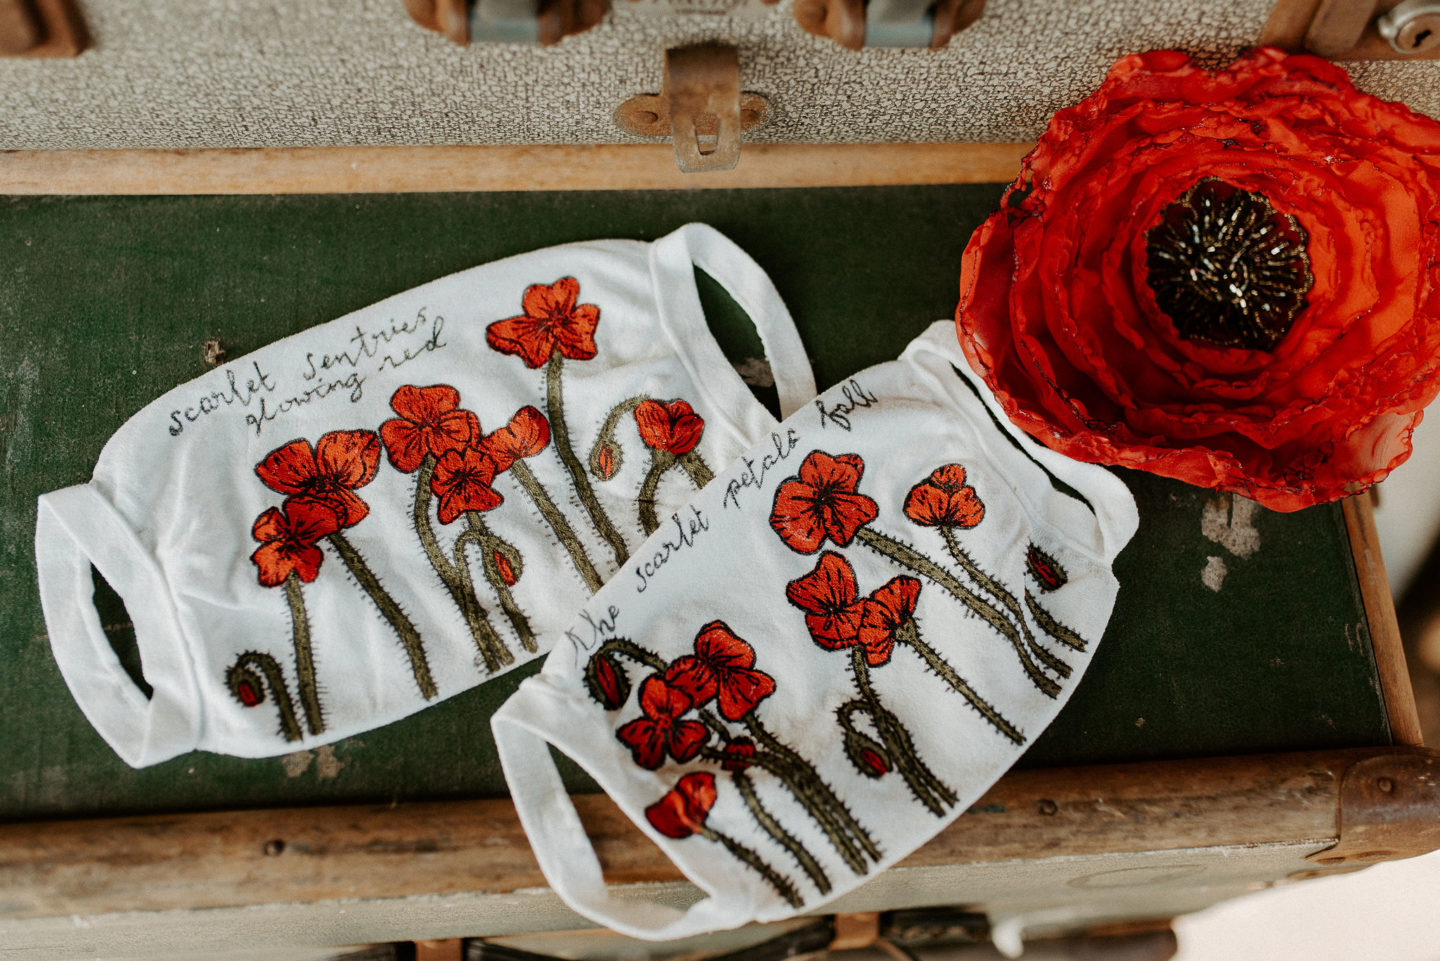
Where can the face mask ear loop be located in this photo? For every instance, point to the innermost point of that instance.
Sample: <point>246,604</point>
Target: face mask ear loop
<point>75,529</point>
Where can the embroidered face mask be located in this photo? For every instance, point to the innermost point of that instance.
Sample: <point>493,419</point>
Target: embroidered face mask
<point>334,531</point>
<point>864,622</point>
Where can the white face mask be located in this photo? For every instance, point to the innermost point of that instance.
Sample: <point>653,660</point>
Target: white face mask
<point>875,611</point>
<point>332,532</point>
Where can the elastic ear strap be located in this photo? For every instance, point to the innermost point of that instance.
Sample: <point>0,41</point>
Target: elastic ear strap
<point>753,290</point>
<point>561,846</point>
<point>74,529</point>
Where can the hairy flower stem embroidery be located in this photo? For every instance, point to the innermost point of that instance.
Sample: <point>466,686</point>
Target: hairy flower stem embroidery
<point>699,471</point>
<point>910,634</point>
<point>479,533</point>
<point>606,456</point>
<point>779,882</point>
<point>399,621</point>
<point>660,462</point>
<point>1051,626</point>
<point>772,827</point>
<point>259,672</point>
<point>560,433</point>
<point>928,789</point>
<point>908,556</point>
<point>455,578</point>
<point>563,531</point>
<point>304,656</point>
<point>1003,595</point>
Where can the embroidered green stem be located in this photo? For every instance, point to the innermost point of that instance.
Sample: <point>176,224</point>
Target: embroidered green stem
<point>908,556</point>
<point>490,543</point>
<point>1003,595</point>
<point>455,579</point>
<point>910,634</point>
<point>784,838</point>
<point>636,653</point>
<point>304,656</point>
<point>566,534</point>
<point>1051,626</point>
<point>606,441</point>
<point>779,882</point>
<point>258,672</point>
<point>560,433</point>
<point>699,471</point>
<point>494,651</point>
<point>399,621</point>
<point>928,789</point>
<point>660,462</point>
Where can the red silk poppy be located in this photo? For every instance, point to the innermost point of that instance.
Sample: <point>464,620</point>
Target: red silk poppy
<point>287,540</point>
<point>672,427</point>
<point>526,435</point>
<point>944,500</point>
<point>821,502</point>
<point>552,321</point>
<point>430,422</point>
<point>1110,334</point>
<point>722,667</point>
<point>462,483</point>
<point>329,472</point>
<point>889,608</point>
<point>681,813</point>
<point>662,729</point>
<point>829,596</point>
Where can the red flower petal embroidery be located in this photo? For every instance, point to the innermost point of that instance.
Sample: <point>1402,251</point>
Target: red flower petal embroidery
<point>683,810</point>
<point>828,595</point>
<point>552,320</point>
<point>342,461</point>
<point>723,668</point>
<point>662,729</point>
<point>430,422</point>
<point>822,503</point>
<point>288,540</point>
<point>526,435</point>
<point>944,500</point>
<point>672,427</point>
<point>888,609</point>
<point>462,483</point>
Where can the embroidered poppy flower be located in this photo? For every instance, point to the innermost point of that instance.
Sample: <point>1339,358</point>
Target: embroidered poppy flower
<point>340,461</point>
<point>722,667</point>
<point>1227,278</point>
<point>662,729</point>
<point>288,537</point>
<point>944,500</point>
<point>681,813</point>
<point>739,754</point>
<point>889,608</point>
<point>1045,569</point>
<point>430,422</point>
<point>672,427</point>
<point>526,435</point>
<point>829,597</point>
<point>552,321</point>
<point>821,502</point>
<point>462,483</point>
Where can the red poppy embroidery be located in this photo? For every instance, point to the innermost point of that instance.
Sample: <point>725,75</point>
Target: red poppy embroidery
<point>607,682</point>
<point>430,422</point>
<point>248,693</point>
<point>288,540</point>
<point>888,609</point>
<point>875,763</point>
<point>526,435</point>
<point>722,667</point>
<point>552,321</point>
<point>828,595</point>
<point>1045,569</point>
<point>821,502</point>
<point>662,729</point>
<point>739,754</point>
<point>341,461</point>
<point>672,427</point>
<point>605,462</point>
<point>681,813</point>
<point>462,483</point>
<point>944,500</point>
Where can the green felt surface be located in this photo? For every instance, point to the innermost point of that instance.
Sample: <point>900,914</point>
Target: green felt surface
<point>105,303</point>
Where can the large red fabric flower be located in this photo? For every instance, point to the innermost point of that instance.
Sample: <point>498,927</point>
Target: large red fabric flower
<point>430,422</point>
<point>662,728</point>
<point>684,808</point>
<point>552,321</point>
<point>888,609</point>
<point>944,500</point>
<point>526,435</point>
<point>340,461</point>
<point>1285,356</point>
<point>722,667</point>
<point>287,540</point>
<point>821,502</point>
<point>462,483</point>
<point>672,427</point>
<point>830,599</point>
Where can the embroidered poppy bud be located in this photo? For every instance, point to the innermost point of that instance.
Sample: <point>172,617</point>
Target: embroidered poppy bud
<point>1045,569</point>
<point>246,685</point>
<point>868,756</point>
<point>738,754</point>
<point>604,463</point>
<point>608,684</point>
<point>506,569</point>
<point>249,694</point>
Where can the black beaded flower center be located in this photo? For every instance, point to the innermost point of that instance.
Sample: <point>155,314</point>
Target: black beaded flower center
<point>1227,268</point>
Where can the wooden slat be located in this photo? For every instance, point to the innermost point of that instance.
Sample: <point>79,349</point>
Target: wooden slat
<point>428,169</point>
<point>1384,627</point>
<point>237,858</point>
